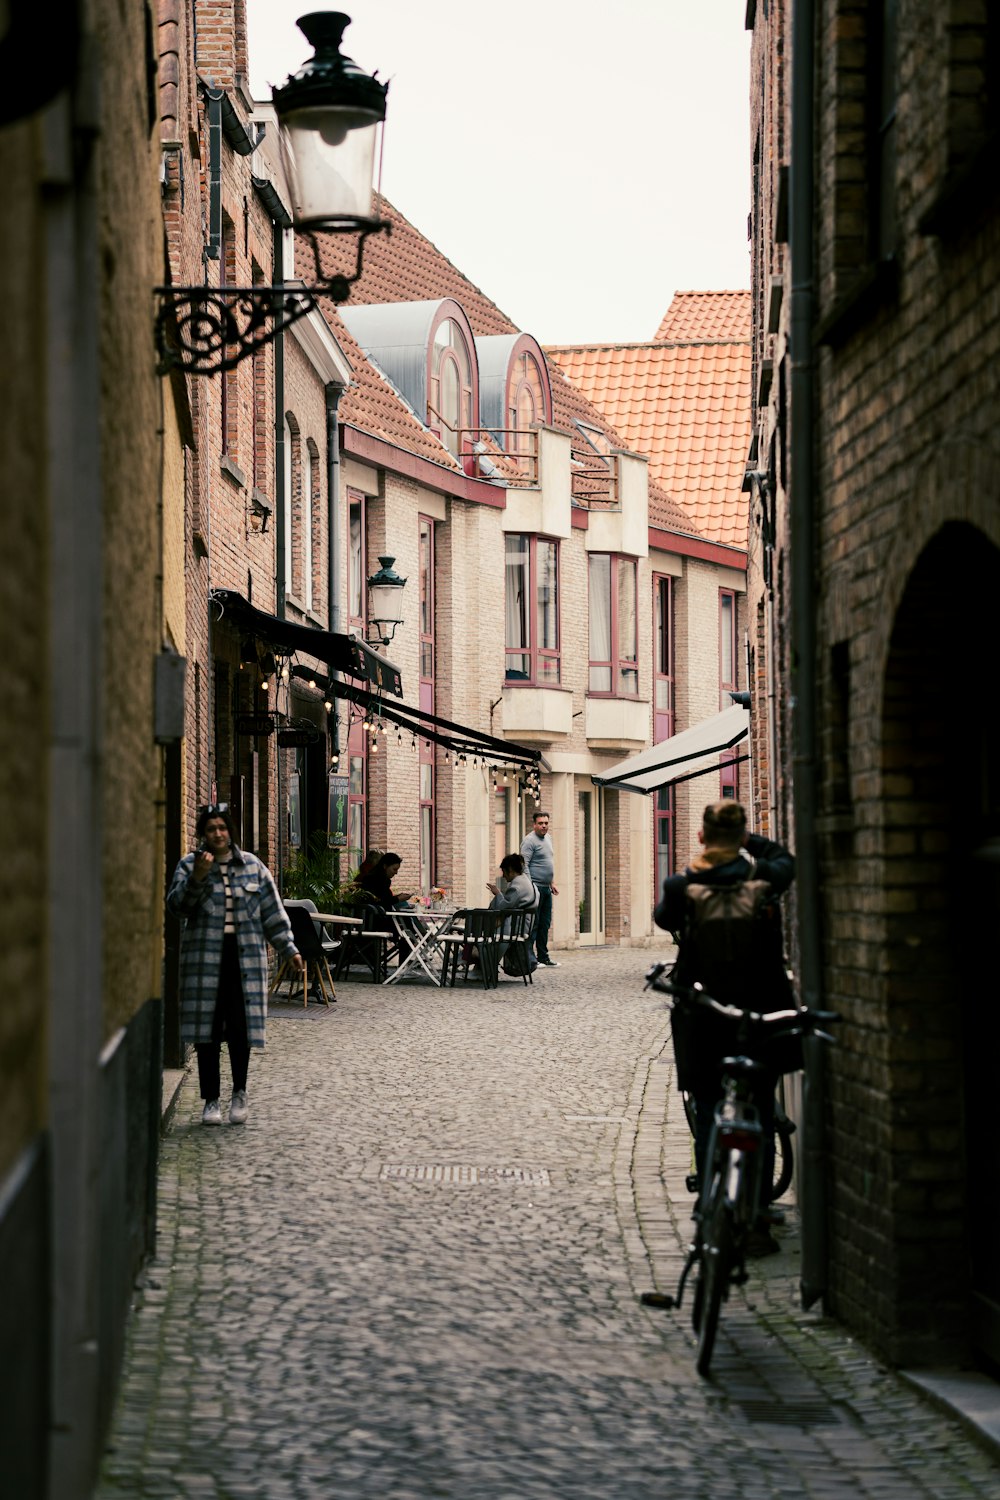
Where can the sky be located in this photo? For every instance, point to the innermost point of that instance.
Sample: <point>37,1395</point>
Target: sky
<point>579,162</point>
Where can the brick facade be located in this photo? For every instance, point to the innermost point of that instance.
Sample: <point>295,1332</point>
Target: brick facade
<point>907,405</point>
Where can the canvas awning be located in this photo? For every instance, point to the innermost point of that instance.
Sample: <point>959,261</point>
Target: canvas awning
<point>341,653</point>
<point>693,752</point>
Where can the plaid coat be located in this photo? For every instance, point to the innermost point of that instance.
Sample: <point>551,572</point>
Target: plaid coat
<point>202,907</point>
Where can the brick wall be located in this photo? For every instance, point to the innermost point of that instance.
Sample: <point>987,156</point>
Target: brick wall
<point>908,404</point>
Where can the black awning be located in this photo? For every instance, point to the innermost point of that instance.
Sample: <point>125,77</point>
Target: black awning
<point>342,653</point>
<point>458,738</point>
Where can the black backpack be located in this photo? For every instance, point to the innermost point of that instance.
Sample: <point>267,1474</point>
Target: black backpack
<point>731,939</point>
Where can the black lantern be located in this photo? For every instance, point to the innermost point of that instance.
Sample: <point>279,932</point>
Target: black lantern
<point>329,113</point>
<point>328,116</point>
<point>385,589</point>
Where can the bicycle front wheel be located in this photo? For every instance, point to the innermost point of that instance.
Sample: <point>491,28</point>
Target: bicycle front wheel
<point>713,1279</point>
<point>784,1158</point>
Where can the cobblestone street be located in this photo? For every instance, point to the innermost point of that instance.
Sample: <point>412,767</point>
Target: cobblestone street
<point>340,1306</point>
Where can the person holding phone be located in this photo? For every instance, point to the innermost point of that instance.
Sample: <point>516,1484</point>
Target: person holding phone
<point>230,908</point>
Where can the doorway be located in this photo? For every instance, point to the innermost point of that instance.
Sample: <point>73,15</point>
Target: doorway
<point>941,888</point>
<point>590,865</point>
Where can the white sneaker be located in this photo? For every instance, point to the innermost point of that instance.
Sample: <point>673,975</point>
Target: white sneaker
<point>239,1108</point>
<point>211,1114</point>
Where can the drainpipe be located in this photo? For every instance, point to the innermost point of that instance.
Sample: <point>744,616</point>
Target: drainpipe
<point>802,563</point>
<point>280,498</point>
<point>335,608</point>
<point>280,501</point>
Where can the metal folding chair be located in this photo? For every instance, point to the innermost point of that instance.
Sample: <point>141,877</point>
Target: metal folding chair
<point>517,959</point>
<point>482,930</point>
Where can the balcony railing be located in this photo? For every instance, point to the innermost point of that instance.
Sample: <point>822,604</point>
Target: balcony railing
<point>596,478</point>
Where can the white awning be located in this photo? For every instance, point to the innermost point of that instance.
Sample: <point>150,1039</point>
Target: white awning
<point>693,752</point>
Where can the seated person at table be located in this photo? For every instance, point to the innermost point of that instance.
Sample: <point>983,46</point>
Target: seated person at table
<point>378,883</point>
<point>516,892</point>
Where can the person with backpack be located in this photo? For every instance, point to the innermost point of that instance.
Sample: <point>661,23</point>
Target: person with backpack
<point>724,916</point>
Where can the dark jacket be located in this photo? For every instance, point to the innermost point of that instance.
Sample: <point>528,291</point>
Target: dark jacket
<point>769,988</point>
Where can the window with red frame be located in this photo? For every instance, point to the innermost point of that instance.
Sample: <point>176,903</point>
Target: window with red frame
<point>614,634</point>
<point>728,683</point>
<point>451,384</point>
<point>531,609</point>
<point>427,786</point>
<point>525,400</point>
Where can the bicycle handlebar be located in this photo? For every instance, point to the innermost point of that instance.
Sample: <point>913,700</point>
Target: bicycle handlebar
<point>801,1016</point>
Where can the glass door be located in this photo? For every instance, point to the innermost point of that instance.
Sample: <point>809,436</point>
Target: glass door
<point>589,884</point>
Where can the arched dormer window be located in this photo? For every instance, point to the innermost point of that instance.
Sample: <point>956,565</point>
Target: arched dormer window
<point>514,392</point>
<point>452,398</point>
<point>527,393</point>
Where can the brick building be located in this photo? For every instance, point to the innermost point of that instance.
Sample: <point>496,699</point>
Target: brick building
<point>84,590</point>
<point>682,400</point>
<point>874,551</point>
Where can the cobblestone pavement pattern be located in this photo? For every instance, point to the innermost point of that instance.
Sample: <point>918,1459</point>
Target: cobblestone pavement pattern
<point>313,1328</point>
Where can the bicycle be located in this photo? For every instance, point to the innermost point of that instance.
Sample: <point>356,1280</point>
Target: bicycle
<point>784,1127</point>
<point>784,1151</point>
<point>731,1194</point>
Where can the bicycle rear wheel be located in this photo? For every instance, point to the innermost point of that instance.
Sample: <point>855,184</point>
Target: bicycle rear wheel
<point>713,1279</point>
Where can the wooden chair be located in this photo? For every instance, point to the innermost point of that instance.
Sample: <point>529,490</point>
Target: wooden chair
<point>480,936</point>
<point>517,960</point>
<point>313,956</point>
<point>330,945</point>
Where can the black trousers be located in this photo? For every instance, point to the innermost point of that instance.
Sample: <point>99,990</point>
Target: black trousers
<point>228,1025</point>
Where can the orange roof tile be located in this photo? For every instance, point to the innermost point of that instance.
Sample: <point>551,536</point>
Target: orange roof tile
<point>688,407</point>
<point>405,266</point>
<point>702,316</point>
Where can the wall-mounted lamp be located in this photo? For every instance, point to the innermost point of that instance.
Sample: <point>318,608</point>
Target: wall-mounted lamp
<point>385,589</point>
<point>259,512</point>
<point>328,118</point>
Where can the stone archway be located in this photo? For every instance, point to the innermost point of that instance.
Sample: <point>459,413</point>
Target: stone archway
<point>941,807</point>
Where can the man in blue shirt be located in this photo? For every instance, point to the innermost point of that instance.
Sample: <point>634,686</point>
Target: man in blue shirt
<point>539,861</point>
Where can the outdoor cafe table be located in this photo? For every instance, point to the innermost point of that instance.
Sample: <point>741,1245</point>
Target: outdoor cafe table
<point>425,945</point>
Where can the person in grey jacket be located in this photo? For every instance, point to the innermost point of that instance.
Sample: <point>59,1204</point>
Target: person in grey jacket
<point>539,861</point>
<point>518,893</point>
<point>229,904</point>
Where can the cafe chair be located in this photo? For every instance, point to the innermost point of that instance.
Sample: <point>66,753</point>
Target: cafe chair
<point>518,960</point>
<point>480,938</point>
<point>317,969</point>
<point>330,945</point>
<point>366,945</point>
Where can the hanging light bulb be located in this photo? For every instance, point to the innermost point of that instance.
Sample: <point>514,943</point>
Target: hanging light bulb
<point>383,728</point>
<point>312,682</point>
<point>265,686</point>
<point>284,672</point>
<point>374,747</point>
<point>328,705</point>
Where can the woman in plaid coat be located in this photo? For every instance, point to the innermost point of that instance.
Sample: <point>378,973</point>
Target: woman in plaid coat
<point>229,904</point>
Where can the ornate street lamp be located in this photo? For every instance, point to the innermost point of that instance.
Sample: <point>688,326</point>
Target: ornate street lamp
<point>385,589</point>
<point>328,117</point>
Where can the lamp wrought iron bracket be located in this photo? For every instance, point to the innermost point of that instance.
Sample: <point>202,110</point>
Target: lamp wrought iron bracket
<point>206,329</point>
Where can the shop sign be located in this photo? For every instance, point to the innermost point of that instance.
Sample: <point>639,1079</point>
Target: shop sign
<point>255,724</point>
